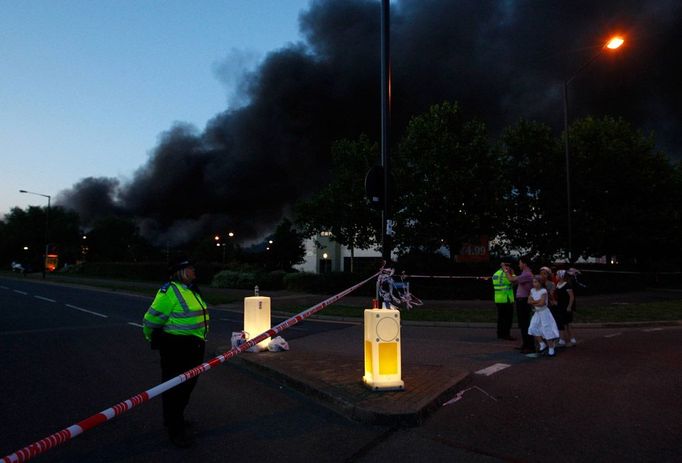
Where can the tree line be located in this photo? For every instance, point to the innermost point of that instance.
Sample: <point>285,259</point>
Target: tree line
<point>453,183</point>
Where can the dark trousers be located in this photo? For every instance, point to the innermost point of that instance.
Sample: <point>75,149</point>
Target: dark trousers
<point>559,316</point>
<point>523,314</point>
<point>505,316</point>
<point>178,354</point>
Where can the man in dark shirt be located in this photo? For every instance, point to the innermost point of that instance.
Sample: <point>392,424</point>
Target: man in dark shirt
<point>524,283</point>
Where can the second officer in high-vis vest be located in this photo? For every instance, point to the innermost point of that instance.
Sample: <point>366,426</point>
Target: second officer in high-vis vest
<point>504,300</point>
<point>177,324</point>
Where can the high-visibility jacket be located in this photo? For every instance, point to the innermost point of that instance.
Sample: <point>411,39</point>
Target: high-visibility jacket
<point>504,292</point>
<point>176,310</point>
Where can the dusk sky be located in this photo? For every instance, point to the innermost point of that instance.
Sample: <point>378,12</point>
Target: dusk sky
<point>228,108</point>
<point>87,86</point>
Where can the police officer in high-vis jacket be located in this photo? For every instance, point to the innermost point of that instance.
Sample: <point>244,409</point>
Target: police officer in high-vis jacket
<point>177,324</point>
<point>504,300</point>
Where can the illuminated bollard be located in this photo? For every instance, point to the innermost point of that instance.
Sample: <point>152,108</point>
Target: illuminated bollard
<point>257,318</point>
<point>382,350</point>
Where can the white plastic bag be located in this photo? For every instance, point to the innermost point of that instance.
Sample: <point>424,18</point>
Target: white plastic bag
<point>278,344</point>
<point>238,338</point>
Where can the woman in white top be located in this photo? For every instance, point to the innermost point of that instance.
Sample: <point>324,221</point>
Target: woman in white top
<point>542,325</point>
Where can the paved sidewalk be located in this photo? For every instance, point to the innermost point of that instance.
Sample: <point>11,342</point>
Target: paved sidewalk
<point>329,367</point>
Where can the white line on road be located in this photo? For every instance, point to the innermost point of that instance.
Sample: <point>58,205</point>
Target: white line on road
<point>44,298</point>
<point>86,311</point>
<point>20,292</point>
<point>612,335</point>
<point>4,287</point>
<point>492,369</point>
<point>135,324</point>
<point>652,329</point>
<point>459,395</point>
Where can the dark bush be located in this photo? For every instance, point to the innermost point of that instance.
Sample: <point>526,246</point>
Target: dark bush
<point>146,271</point>
<point>151,271</point>
<point>327,283</point>
<point>248,280</point>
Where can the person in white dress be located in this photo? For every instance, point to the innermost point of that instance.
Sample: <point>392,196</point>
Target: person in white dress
<point>542,325</point>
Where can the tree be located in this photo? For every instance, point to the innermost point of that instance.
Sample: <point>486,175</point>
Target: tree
<point>285,247</point>
<point>448,180</point>
<point>25,228</point>
<point>625,193</point>
<point>534,218</point>
<point>116,239</point>
<point>341,207</point>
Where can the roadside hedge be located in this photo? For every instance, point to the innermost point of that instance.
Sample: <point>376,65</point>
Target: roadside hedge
<point>144,271</point>
<point>248,280</point>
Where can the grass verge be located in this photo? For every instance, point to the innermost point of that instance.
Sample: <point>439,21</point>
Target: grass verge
<point>650,311</point>
<point>613,313</point>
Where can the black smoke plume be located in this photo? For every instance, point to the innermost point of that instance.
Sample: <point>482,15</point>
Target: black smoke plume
<point>502,60</point>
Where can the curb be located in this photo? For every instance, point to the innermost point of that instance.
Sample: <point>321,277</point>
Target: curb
<point>437,324</point>
<point>358,320</point>
<point>356,410</point>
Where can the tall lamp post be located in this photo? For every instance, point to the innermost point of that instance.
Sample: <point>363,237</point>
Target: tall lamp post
<point>386,224</point>
<point>613,44</point>
<point>47,225</point>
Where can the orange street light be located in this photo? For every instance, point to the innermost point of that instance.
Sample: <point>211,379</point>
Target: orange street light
<point>615,42</point>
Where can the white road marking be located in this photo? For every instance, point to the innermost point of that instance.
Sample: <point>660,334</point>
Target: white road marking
<point>44,298</point>
<point>459,395</point>
<point>652,329</point>
<point>86,311</point>
<point>4,287</point>
<point>492,369</point>
<point>135,324</point>
<point>20,292</point>
<point>612,335</point>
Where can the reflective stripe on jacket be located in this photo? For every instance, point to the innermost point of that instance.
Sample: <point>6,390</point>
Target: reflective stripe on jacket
<point>176,310</point>
<point>504,293</point>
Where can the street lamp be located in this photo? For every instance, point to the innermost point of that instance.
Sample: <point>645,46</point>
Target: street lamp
<point>47,225</point>
<point>613,43</point>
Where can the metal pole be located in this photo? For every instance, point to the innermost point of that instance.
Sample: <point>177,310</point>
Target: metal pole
<point>386,124</point>
<point>569,213</point>
<point>47,234</point>
<point>47,226</point>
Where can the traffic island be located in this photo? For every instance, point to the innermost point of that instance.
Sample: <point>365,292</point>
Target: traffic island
<point>336,381</point>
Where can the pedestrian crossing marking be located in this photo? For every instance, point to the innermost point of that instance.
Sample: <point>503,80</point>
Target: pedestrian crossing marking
<point>492,369</point>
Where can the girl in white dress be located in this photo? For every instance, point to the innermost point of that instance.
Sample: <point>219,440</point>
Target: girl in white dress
<point>542,325</point>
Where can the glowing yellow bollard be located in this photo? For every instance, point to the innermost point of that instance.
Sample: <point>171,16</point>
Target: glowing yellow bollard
<point>382,350</point>
<point>257,318</point>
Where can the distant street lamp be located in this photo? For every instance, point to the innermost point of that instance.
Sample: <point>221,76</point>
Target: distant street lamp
<point>47,225</point>
<point>613,44</point>
<point>222,244</point>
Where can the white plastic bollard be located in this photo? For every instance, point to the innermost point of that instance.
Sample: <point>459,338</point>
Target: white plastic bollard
<point>383,369</point>
<point>257,318</point>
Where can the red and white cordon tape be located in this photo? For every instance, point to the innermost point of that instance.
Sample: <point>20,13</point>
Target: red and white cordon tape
<point>450,277</point>
<point>72,431</point>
